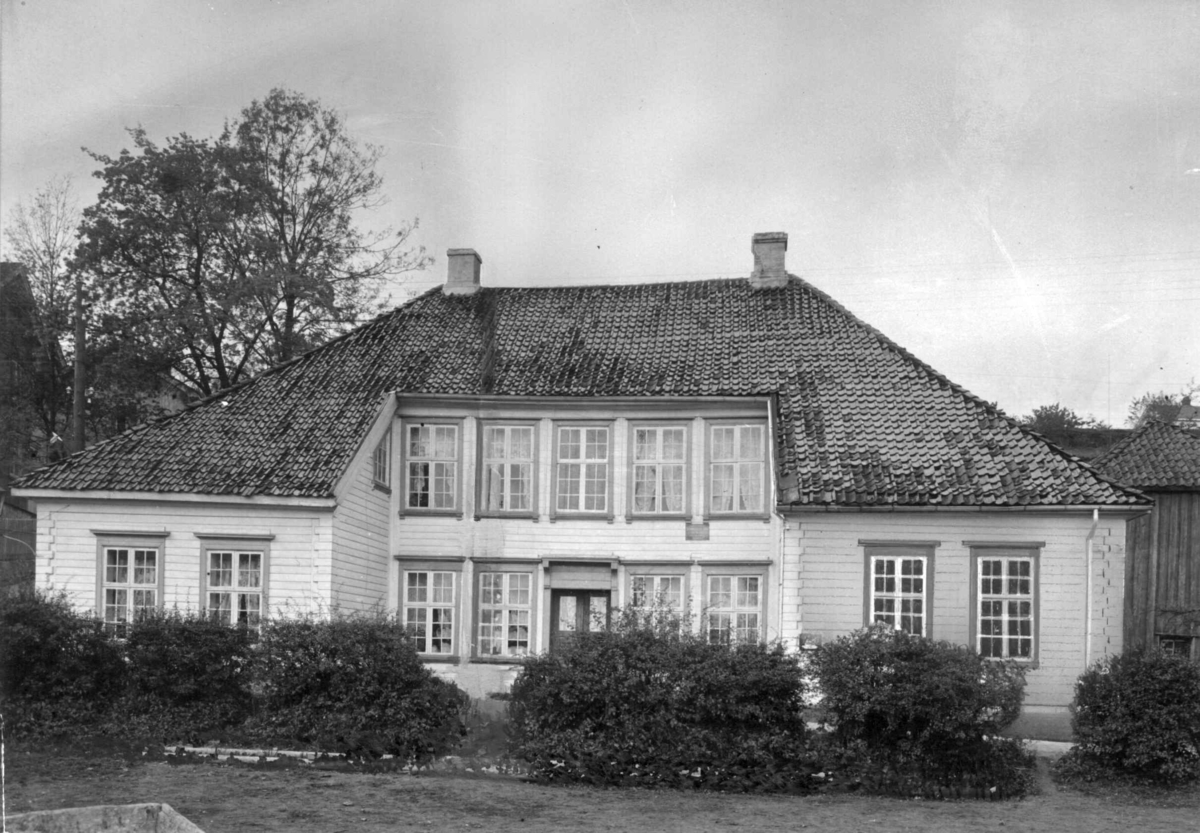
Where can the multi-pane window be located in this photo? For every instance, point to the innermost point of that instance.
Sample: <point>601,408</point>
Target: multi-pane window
<point>659,469</point>
<point>432,457</point>
<point>381,461</point>
<point>733,607</point>
<point>429,610</point>
<point>505,612</point>
<point>130,585</point>
<point>582,469</point>
<point>1006,607</point>
<point>898,594</point>
<point>235,587</point>
<point>507,468</point>
<point>650,592</point>
<point>737,468</point>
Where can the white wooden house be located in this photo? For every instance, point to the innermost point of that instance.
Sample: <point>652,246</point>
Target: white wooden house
<point>503,466</point>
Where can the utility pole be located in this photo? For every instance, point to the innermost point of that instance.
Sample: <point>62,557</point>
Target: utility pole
<point>77,398</point>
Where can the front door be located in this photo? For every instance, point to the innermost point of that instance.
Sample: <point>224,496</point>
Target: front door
<point>576,611</point>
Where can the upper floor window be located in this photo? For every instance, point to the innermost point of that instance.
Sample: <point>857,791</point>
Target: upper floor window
<point>659,470</point>
<point>130,583</point>
<point>381,461</point>
<point>582,472</point>
<point>737,468</point>
<point>432,467</point>
<point>508,468</point>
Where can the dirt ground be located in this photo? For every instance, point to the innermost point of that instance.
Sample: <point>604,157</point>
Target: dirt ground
<point>238,797</point>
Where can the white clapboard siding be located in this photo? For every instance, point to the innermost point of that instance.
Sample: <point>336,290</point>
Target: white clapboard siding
<point>825,589</point>
<point>361,528</point>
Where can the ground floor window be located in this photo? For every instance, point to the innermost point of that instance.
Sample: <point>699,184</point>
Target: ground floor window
<point>130,585</point>
<point>1005,603</point>
<point>650,592</point>
<point>235,587</point>
<point>505,614</point>
<point>898,585</point>
<point>429,605</point>
<point>733,607</point>
<point>1180,646</point>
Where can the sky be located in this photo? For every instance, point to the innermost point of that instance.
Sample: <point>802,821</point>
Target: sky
<point>1010,190</point>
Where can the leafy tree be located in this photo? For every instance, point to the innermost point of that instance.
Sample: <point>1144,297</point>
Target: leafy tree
<point>214,258</point>
<point>1159,405</point>
<point>1054,420</point>
<point>41,237</point>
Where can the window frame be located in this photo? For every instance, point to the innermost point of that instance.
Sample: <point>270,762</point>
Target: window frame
<point>382,456</point>
<point>631,512</point>
<point>453,565</point>
<point>710,427</point>
<point>132,541</point>
<point>735,571</point>
<point>899,551</point>
<point>481,509</point>
<point>406,423</point>
<point>236,544</point>
<point>535,589</point>
<point>608,513</point>
<point>1005,552</point>
<point>660,570</point>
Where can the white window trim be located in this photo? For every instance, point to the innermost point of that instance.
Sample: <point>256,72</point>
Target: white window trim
<point>381,458</point>
<point>240,544</point>
<point>405,494</point>
<point>494,568</point>
<point>631,477</point>
<point>606,513</point>
<point>899,552</point>
<point>1031,553</point>
<point>132,541</point>
<point>764,480</point>
<point>734,572</point>
<point>482,509</point>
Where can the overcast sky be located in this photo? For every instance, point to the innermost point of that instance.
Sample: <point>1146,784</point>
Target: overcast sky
<point>1009,190</point>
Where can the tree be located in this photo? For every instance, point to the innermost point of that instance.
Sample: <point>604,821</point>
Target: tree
<point>1159,405</point>
<point>1054,420</point>
<point>213,259</point>
<point>41,237</point>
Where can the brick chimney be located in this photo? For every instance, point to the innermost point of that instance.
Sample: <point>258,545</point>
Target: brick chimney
<point>462,272</point>
<point>769,249</point>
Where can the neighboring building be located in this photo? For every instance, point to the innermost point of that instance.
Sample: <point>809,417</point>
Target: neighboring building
<point>1189,415</point>
<point>1162,568</point>
<point>502,466</point>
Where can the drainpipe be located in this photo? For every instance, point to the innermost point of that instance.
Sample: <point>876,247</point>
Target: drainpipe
<point>1087,645</point>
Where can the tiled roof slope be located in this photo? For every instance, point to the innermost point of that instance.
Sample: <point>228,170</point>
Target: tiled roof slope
<point>1157,456</point>
<point>862,422</point>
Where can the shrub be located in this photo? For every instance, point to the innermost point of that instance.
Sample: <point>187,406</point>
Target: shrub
<point>354,684</point>
<point>59,670</point>
<point>921,715</point>
<point>1139,714</point>
<point>654,705</point>
<point>187,673</point>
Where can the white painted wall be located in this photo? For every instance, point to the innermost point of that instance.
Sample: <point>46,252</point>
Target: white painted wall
<point>361,530</point>
<point>824,581</point>
<point>300,551</point>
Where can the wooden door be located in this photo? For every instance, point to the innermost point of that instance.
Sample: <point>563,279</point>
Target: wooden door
<point>576,611</point>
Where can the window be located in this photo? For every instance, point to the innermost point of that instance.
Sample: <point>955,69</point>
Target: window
<point>508,468</point>
<point>733,608</point>
<point>235,587</point>
<point>130,585</point>
<point>1180,646</point>
<point>381,461</point>
<point>659,470</point>
<point>432,467</point>
<point>737,468</point>
<point>1005,587</point>
<point>898,588</point>
<point>505,614</point>
<point>651,591</point>
<point>429,610</point>
<point>581,483</point>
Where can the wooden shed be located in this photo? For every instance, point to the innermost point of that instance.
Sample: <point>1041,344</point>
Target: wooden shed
<point>1162,567</point>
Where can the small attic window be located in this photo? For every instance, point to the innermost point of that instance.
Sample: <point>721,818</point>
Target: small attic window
<point>381,462</point>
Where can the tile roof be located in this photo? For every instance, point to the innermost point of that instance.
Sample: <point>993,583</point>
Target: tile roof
<point>1156,457</point>
<point>862,421</point>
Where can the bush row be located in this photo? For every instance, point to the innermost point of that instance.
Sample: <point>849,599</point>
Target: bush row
<point>349,683</point>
